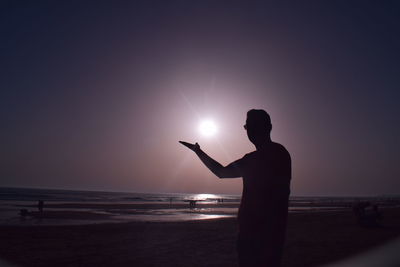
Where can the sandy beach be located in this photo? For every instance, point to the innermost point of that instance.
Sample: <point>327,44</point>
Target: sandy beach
<point>313,238</point>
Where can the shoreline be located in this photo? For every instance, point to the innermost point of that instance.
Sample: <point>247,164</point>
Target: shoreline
<point>92,213</point>
<point>73,213</point>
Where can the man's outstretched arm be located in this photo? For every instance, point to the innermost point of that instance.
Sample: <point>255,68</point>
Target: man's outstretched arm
<point>230,171</point>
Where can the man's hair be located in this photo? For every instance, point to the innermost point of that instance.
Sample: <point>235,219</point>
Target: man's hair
<point>258,118</point>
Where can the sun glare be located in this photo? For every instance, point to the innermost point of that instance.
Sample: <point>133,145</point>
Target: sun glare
<point>205,196</point>
<point>208,128</point>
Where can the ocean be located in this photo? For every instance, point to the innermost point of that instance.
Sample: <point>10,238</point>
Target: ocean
<point>57,195</point>
<point>82,207</point>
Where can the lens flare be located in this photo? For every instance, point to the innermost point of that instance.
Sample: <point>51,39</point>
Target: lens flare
<point>208,128</point>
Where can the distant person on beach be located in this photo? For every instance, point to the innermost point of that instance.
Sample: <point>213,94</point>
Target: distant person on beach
<point>367,215</point>
<point>192,204</point>
<point>263,209</point>
<point>40,205</point>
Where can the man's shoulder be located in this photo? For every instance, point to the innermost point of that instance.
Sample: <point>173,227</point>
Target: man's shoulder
<point>273,147</point>
<point>249,154</point>
<point>279,148</point>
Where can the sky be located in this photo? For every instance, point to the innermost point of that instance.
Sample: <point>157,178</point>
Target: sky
<point>95,95</point>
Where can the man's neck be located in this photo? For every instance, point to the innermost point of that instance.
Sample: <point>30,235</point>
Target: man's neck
<point>264,144</point>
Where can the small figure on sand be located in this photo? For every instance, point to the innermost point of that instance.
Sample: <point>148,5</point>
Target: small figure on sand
<point>23,213</point>
<point>367,215</point>
<point>192,204</point>
<point>263,210</point>
<point>40,205</point>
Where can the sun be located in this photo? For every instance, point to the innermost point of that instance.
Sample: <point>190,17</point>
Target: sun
<point>208,128</point>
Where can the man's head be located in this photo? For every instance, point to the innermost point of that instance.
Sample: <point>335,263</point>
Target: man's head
<point>258,126</point>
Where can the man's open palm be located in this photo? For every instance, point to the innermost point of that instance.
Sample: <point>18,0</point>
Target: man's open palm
<point>194,147</point>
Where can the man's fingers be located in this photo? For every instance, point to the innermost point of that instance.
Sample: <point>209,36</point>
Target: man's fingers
<point>184,143</point>
<point>194,147</point>
<point>189,145</point>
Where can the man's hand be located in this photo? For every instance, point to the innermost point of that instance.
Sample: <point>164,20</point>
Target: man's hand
<point>194,147</point>
<point>230,171</point>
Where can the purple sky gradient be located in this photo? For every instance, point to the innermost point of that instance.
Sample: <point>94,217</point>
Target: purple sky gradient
<point>97,96</point>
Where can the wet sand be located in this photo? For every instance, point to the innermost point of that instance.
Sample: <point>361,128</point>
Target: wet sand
<point>313,238</point>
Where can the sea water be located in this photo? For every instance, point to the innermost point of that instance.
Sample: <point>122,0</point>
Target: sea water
<point>125,206</point>
<point>120,206</point>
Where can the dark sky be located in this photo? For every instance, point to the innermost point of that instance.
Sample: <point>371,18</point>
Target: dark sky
<point>96,94</point>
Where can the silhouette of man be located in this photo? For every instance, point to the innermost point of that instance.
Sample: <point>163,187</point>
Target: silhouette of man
<point>263,210</point>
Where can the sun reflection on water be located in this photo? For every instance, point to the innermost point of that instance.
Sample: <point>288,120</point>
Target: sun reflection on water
<point>206,197</point>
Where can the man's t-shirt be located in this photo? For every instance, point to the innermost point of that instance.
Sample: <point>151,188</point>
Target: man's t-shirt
<point>266,187</point>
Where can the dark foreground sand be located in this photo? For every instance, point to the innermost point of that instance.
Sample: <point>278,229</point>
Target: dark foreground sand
<point>313,238</point>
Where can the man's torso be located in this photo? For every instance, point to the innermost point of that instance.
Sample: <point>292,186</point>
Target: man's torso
<point>266,187</point>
